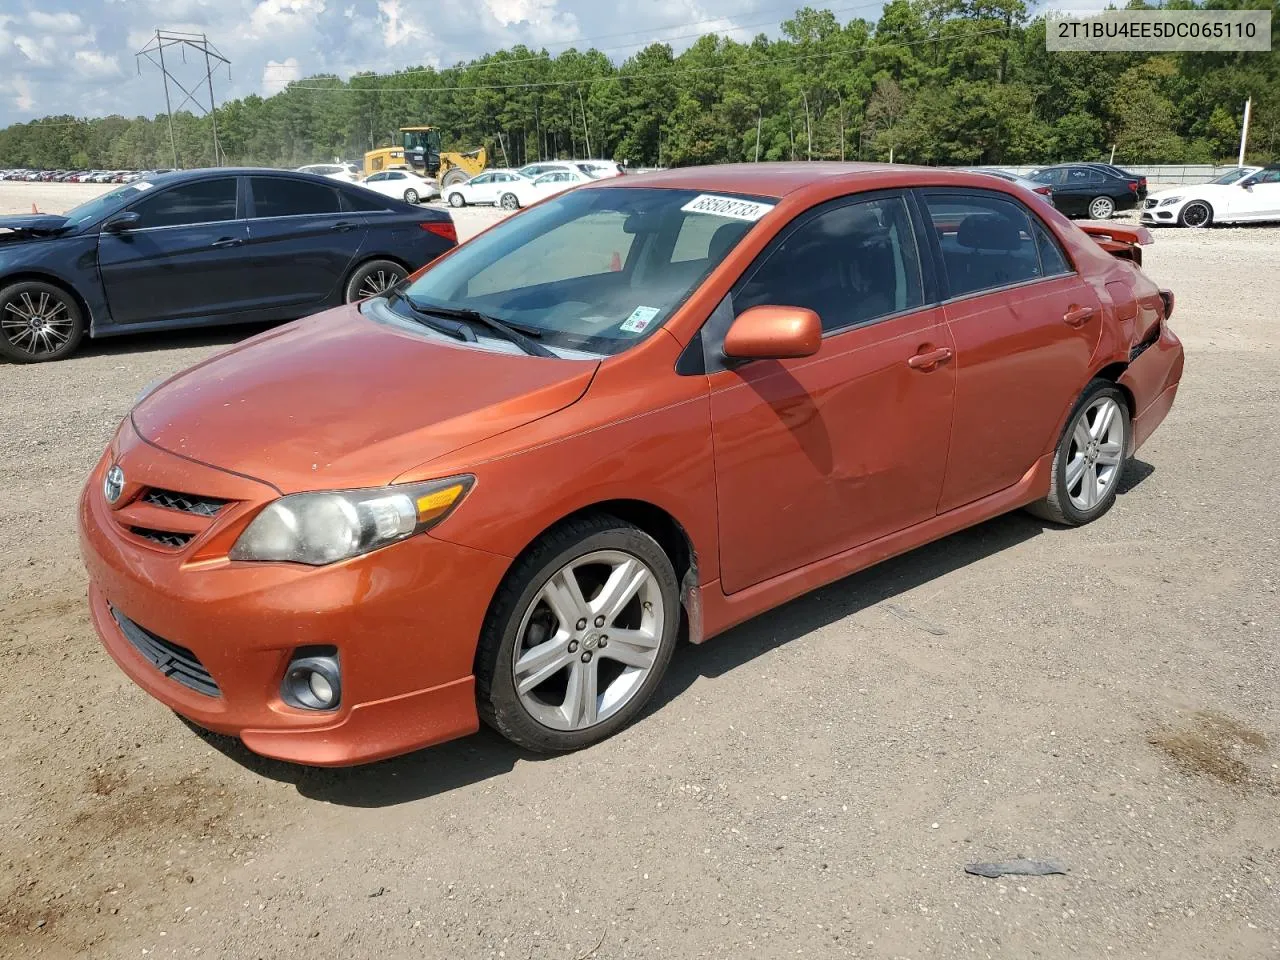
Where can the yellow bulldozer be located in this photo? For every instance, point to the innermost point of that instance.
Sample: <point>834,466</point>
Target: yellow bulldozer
<point>420,151</point>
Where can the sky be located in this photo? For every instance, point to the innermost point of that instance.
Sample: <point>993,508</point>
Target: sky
<point>78,56</point>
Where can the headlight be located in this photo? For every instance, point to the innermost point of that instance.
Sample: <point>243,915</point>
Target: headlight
<point>320,528</point>
<point>1170,201</point>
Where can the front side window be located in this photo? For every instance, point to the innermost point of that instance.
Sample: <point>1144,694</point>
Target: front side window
<point>986,242</point>
<point>482,179</point>
<point>849,264</point>
<point>279,197</point>
<point>589,270</point>
<point>208,201</point>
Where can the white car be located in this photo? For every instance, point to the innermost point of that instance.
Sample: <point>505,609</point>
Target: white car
<point>549,184</point>
<point>600,169</point>
<point>403,185</point>
<point>1243,194</point>
<point>345,172</point>
<point>492,186</point>
<point>595,169</point>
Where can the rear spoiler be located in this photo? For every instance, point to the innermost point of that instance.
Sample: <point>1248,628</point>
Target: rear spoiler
<point>1119,240</point>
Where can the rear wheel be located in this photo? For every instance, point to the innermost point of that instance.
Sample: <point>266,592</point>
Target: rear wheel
<point>578,636</point>
<point>38,322</point>
<point>1101,208</point>
<point>457,200</point>
<point>373,279</point>
<point>1197,213</point>
<point>411,195</point>
<point>509,201</point>
<point>1090,459</point>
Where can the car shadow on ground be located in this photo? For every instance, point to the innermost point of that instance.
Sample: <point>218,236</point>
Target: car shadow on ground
<point>188,339</point>
<point>476,758</point>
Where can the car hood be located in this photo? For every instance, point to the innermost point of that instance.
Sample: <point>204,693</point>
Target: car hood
<point>30,225</point>
<point>1192,191</point>
<point>338,400</point>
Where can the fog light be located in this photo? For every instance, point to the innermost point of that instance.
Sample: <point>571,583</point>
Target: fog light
<point>313,680</point>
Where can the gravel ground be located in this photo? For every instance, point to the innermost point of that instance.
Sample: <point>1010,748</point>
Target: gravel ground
<point>810,784</point>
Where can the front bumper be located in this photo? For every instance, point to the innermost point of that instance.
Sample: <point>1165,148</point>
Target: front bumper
<point>405,620</point>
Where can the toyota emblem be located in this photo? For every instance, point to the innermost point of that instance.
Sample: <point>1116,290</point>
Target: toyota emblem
<point>113,484</point>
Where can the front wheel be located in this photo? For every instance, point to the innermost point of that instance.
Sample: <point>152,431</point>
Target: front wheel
<point>578,636</point>
<point>1090,459</point>
<point>1101,208</point>
<point>411,195</point>
<point>38,322</point>
<point>457,200</point>
<point>1196,214</point>
<point>509,201</point>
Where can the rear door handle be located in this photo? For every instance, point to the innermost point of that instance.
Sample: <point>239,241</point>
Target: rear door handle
<point>227,242</point>
<point>1078,316</point>
<point>929,360</point>
<point>342,227</point>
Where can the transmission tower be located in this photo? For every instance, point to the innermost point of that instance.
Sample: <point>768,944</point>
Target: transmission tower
<point>200,46</point>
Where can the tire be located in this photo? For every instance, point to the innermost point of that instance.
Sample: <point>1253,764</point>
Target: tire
<point>372,278</point>
<point>1196,214</point>
<point>39,322</point>
<point>454,177</point>
<point>411,195</point>
<point>457,200</point>
<point>509,201</point>
<point>547,717</point>
<point>1080,439</point>
<point>1102,208</point>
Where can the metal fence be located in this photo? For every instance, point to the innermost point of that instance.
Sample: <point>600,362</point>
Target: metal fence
<point>1174,174</point>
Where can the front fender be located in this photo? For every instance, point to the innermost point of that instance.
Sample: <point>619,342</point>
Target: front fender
<point>70,262</point>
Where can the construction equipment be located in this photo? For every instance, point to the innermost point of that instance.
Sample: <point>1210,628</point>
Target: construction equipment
<point>420,151</point>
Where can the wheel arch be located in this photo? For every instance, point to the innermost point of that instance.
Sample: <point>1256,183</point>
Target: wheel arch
<point>1113,372</point>
<point>41,276</point>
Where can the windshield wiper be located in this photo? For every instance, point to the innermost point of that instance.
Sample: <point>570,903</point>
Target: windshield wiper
<point>522,337</point>
<point>441,325</point>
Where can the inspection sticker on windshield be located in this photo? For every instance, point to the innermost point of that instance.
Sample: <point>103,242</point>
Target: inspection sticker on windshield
<point>730,207</point>
<point>640,318</point>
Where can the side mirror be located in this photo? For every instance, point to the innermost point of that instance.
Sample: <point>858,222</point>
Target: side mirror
<point>774,333</point>
<point>122,221</point>
<point>1248,182</point>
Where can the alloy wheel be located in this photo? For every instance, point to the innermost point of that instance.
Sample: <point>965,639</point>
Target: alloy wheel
<point>1196,215</point>
<point>38,324</point>
<point>510,202</point>
<point>1096,453</point>
<point>1102,208</point>
<point>377,283</point>
<point>588,640</point>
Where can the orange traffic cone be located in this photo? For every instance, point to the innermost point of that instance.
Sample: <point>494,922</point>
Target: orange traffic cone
<point>34,210</point>
<point>616,263</point>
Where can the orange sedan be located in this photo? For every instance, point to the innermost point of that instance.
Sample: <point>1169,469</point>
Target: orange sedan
<point>650,406</point>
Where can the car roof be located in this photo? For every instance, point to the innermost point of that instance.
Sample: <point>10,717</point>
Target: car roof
<point>779,179</point>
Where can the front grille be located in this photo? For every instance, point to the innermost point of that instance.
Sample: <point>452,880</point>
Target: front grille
<point>175,662</point>
<point>166,538</point>
<point>184,502</point>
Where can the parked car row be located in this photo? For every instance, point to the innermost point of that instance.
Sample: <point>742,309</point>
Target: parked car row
<point>200,248</point>
<point>78,176</point>
<point>512,189</point>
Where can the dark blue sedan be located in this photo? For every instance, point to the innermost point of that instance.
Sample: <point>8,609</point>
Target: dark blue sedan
<point>203,247</point>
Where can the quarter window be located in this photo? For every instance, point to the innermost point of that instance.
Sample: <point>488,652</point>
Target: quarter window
<point>849,264</point>
<point>1052,260</point>
<point>278,197</point>
<point>986,242</point>
<point>208,201</point>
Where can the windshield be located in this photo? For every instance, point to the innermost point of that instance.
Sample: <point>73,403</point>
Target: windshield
<point>594,269</point>
<point>91,210</point>
<point>1232,176</point>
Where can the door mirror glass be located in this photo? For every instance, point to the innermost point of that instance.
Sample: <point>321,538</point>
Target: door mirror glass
<point>121,222</point>
<point>773,333</point>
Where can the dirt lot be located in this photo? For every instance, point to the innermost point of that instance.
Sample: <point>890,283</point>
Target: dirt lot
<point>810,784</point>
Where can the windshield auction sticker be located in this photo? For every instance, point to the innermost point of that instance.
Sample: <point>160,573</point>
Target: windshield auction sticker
<point>1248,31</point>
<point>730,207</point>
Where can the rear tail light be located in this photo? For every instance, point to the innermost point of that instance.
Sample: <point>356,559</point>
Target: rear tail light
<point>1133,186</point>
<point>441,228</point>
<point>1044,191</point>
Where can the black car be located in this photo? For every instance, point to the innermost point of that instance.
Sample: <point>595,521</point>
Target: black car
<point>199,248</point>
<point>1094,190</point>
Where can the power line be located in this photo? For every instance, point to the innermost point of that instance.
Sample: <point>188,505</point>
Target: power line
<point>613,78</point>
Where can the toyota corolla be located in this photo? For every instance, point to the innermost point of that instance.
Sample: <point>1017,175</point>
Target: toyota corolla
<point>650,407</point>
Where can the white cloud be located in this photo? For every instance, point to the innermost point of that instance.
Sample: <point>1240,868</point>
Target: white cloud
<point>40,51</point>
<point>394,28</point>
<point>18,90</point>
<point>54,22</point>
<point>283,16</point>
<point>278,74</point>
<point>91,63</point>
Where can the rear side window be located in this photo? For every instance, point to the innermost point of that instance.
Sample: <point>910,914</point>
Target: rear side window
<point>278,197</point>
<point>849,264</point>
<point>986,242</point>
<point>1052,260</point>
<point>362,200</point>
<point>209,201</point>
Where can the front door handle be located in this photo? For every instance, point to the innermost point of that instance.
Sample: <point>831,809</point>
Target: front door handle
<point>227,242</point>
<point>1078,316</point>
<point>342,227</point>
<point>930,359</point>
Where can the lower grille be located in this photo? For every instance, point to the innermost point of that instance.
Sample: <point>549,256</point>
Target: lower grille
<point>175,662</point>
<point>166,538</point>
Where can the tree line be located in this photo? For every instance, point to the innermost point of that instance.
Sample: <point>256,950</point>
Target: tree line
<point>931,81</point>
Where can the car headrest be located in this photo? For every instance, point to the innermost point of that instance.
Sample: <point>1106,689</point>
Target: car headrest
<point>987,231</point>
<point>724,238</point>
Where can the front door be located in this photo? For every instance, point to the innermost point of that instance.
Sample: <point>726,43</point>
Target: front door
<point>184,258</point>
<point>1025,327</point>
<point>1258,201</point>
<point>819,455</point>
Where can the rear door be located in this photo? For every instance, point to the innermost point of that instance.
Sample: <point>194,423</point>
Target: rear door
<point>184,260</point>
<point>1025,327</point>
<point>303,241</point>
